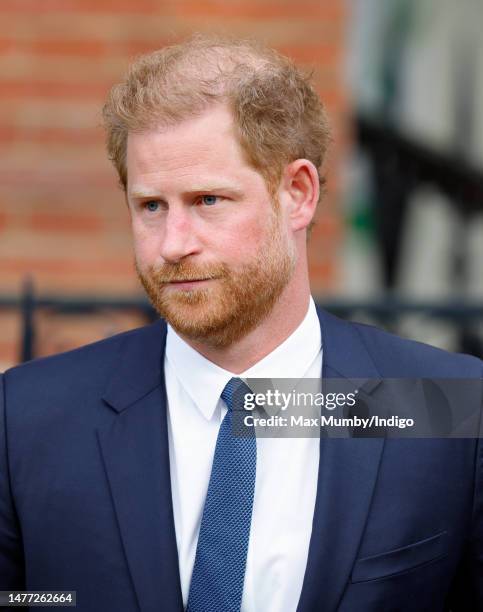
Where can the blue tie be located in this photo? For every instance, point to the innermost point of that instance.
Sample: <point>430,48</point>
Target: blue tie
<point>221,554</point>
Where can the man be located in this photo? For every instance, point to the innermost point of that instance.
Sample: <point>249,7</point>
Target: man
<point>121,476</point>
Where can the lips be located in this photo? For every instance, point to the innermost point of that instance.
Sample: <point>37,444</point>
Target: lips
<point>187,284</point>
<point>188,281</point>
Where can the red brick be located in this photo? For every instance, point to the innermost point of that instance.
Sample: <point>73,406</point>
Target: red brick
<point>68,224</point>
<point>119,28</point>
<point>62,217</point>
<point>318,54</point>
<point>9,353</point>
<point>10,325</point>
<point>82,47</point>
<point>236,9</point>
<point>76,179</point>
<point>145,7</point>
<point>45,135</point>
<point>64,47</point>
<point>68,266</point>
<point>7,45</point>
<point>10,337</point>
<point>135,47</point>
<point>44,89</point>
<point>322,275</point>
<point>19,203</point>
<point>75,70</point>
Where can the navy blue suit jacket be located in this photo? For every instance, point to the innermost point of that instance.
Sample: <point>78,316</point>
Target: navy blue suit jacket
<point>85,494</point>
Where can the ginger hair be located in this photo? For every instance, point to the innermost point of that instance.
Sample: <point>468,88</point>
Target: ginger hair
<point>278,116</point>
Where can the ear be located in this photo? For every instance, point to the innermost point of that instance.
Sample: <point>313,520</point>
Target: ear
<point>300,192</point>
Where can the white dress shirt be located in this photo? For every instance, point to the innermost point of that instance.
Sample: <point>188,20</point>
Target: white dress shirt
<point>286,475</point>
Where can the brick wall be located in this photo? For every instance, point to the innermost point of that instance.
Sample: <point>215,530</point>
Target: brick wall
<point>62,218</point>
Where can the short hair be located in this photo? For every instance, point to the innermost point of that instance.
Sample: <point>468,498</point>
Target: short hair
<point>278,116</point>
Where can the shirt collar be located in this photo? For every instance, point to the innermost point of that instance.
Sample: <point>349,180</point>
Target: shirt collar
<point>204,381</point>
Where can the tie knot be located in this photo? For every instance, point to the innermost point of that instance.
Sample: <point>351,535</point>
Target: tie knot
<point>234,394</point>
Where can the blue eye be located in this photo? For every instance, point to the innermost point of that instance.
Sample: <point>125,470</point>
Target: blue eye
<point>152,206</point>
<point>209,200</point>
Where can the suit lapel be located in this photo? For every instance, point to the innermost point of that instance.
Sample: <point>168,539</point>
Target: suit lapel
<point>347,474</point>
<point>134,446</point>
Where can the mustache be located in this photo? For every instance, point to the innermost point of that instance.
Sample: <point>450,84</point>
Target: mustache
<point>186,271</point>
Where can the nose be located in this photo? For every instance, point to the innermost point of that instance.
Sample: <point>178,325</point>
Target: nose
<point>179,237</point>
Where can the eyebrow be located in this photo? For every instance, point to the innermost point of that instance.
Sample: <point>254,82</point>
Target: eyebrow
<point>138,193</point>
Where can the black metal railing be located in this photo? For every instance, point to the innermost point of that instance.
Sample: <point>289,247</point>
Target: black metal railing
<point>399,166</point>
<point>463,316</point>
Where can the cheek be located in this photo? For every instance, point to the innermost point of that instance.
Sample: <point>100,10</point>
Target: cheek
<point>246,235</point>
<point>145,249</point>
<point>240,244</point>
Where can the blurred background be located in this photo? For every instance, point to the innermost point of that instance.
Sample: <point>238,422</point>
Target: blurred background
<point>399,237</point>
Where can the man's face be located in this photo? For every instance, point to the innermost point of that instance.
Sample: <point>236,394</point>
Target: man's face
<point>212,251</point>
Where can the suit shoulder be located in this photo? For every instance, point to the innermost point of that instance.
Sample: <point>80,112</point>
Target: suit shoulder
<point>393,354</point>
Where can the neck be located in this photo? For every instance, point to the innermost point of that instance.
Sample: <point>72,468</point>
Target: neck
<point>287,314</point>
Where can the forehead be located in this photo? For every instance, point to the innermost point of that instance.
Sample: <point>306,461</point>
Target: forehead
<point>205,144</point>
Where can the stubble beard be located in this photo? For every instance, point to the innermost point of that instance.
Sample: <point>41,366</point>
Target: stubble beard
<point>231,305</point>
